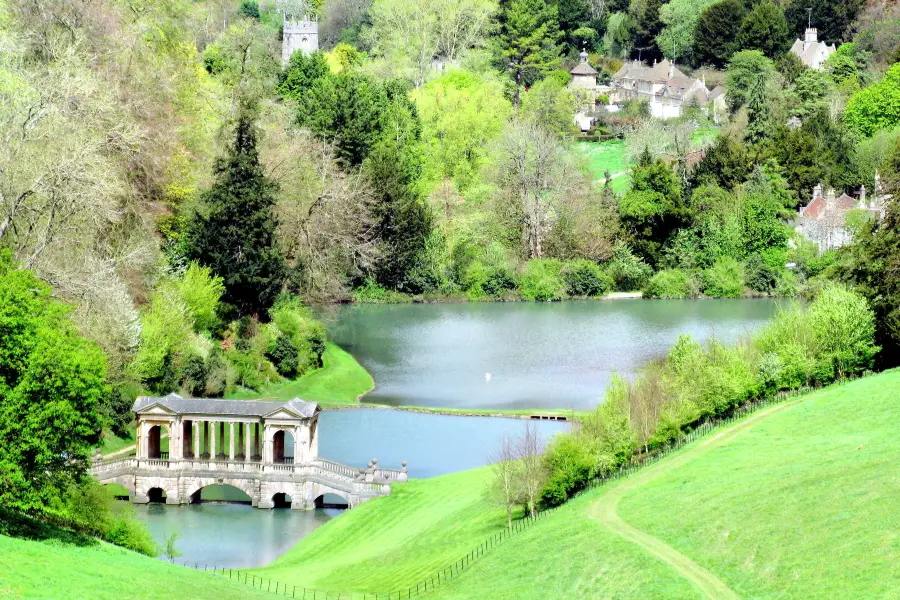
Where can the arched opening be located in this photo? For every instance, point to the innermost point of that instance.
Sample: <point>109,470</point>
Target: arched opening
<point>156,495</point>
<point>157,443</point>
<point>223,493</point>
<point>283,448</point>
<point>281,500</point>
<point>331,501</point>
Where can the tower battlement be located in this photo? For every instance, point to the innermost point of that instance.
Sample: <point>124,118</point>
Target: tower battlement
<point>299,34</point>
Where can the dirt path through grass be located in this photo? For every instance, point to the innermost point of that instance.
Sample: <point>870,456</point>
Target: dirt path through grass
<point>604,509</point>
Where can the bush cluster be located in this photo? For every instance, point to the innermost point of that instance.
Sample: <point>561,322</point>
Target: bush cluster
<point>831,338</point>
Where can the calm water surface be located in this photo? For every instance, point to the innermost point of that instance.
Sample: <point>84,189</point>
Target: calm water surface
<point>524,355</point>
<point>239,536</point>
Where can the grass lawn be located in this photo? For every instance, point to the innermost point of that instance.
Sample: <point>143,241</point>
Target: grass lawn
<point>607,156</point>
<point>796,501</point>
<point>55,570</point>
<point>111,442</point>
<point>341,380</point>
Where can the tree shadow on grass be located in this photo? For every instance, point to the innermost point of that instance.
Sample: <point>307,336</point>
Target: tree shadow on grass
<point>18,525</point>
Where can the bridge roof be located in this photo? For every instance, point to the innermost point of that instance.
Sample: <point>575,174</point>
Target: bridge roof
<point>215,406</point>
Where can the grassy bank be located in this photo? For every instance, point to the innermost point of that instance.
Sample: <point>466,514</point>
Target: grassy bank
<point>340,381</point>
<point>795,501</point>
<point>54,569</point>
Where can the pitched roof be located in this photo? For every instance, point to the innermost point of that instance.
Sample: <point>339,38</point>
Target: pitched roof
<point>216,406</point>
<point>812,49</point>
<point>819,206</point>
<point>583,68</point>
<point>717,91</point>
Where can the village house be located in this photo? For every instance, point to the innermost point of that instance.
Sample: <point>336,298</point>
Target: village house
<point>663,86</point>
<point>811,51</point>
<point>824,219</point>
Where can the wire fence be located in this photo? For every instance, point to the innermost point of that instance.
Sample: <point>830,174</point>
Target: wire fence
<point>519,526</point>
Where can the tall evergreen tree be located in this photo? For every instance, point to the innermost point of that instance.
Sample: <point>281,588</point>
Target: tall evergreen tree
<point>233,232</point>
<point>715,38</point>
<point>528,41</point>
<point>645,15</point>
<point>765,29</point>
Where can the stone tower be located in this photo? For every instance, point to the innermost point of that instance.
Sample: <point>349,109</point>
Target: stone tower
<point>300,35</point>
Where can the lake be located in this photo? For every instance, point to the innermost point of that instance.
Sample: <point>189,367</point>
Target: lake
<point>239,536</point>
<point>524,354</point>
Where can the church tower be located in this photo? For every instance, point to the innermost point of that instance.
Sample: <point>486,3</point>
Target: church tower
<point>302,35</point>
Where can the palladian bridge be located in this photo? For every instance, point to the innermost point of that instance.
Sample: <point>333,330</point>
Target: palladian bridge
<point>265,449</point>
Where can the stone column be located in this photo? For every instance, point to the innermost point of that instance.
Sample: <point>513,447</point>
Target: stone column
<point>298,455</point>
<point>196,426</point>
<point>145,440</point>
<point>138,430</point>
<point>212,442</point>
<point>231,442</point>
<point>222,435</point>
<point>267,445</point>
<point>247,452</point>
<point>175,439</point>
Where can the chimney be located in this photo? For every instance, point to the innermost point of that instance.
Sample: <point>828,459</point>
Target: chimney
<point>830,200</point>
<point>811,37</point>
<point>862,198</point>
<point>817,192</point>
<point>671,69</point>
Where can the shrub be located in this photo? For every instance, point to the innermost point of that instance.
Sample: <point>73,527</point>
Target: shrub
<point>627,270</point>
<point>89,507</point>
<point>672,283</point>
<point>284,356</point>
<point>306,332</point>
<point>584,278</point>
<point>761,276</point>
<point>725,279</point>
<point>844,330</point>
<point>371,292</point>
<point>543,280</point>
<point>201,291</point>
<point>570,465</point>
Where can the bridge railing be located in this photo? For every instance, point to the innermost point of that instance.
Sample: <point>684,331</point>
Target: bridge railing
<point>330,465</point>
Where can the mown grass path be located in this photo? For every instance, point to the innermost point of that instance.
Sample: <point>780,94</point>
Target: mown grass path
<point>604,508</point>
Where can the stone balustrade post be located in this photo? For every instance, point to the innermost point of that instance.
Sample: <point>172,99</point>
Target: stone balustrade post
<point>231,442</point>
<point>196,427</point>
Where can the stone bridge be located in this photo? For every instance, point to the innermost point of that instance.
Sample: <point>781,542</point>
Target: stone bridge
<point>180,481</point>
<point>265,449</point>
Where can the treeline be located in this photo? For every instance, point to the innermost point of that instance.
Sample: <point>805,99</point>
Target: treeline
<point>830,339</point>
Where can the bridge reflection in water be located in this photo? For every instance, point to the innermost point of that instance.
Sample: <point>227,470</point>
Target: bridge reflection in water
<point>259,431</point>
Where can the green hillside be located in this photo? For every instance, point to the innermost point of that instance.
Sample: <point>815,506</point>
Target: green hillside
<point>51,570</point>
<point>796,501</point>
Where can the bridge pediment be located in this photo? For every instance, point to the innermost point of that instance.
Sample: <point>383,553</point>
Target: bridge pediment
<point>156,409</point>
<point>283,413</point>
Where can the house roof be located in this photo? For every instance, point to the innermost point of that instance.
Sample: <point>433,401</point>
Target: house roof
<point>819,206</point>
<point>583,68</point>
<point>717,91</point>
<point>215,406</point>
<point>812,49</point>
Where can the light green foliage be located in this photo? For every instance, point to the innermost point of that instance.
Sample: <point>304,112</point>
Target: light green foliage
<point>543,280</point>
<point>724,279</point>
<point>166,331</point>
<point>570,461</point>
<point>717,230</point>
<point>461,115</point>
<point>370,292</point>
<point>680,19</point>
<point>627,270</point>
<point>201,290</point>
<point>551,104</point>
<point>52,383</point>
<point>765,197</point>
<point>845,68</point>
<point>844,327</point>
<point>672,283</point>
<point>585,278</point>
<point>811,90</point>
<point>489,271</point>
<point>877,106</point>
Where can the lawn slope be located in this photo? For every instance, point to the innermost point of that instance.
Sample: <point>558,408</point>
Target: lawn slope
<point>799,500</point>
<point>340,381</point>
<point>54,570</point>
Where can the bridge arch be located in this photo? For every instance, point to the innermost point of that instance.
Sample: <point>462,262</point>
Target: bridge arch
<point>331,499</point>
<point>154,440</point>
<point>283,447</point>
<point>195,487</point>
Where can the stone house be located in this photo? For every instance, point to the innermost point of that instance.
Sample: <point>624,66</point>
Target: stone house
<point>824,219</point>
<point>663,86</point>
<point>811,51</point>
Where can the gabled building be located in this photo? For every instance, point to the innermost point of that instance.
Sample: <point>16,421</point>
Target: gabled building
<point>824,219</point>
<point>663,86</point>
<point>811,51</point>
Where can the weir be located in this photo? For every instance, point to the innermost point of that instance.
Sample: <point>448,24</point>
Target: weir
<point>265,449</point>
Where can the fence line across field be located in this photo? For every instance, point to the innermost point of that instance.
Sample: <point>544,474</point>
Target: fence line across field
<point>519,526</point>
